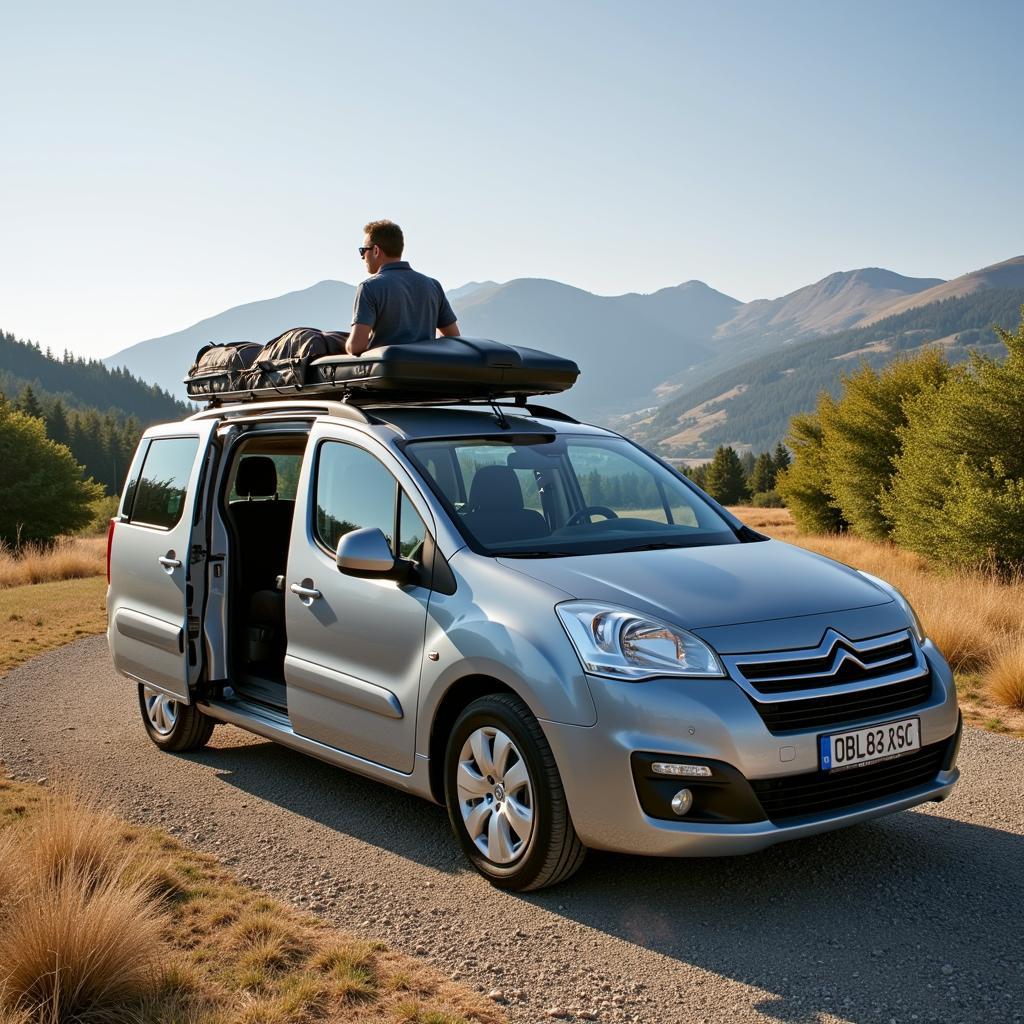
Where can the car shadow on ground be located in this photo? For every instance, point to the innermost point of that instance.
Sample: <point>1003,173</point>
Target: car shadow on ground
<point>913,914</point>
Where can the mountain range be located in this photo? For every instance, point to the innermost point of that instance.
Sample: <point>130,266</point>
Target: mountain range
<point>636,351</point>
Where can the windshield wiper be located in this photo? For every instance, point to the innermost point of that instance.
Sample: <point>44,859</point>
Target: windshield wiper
<point>534,554</point>
<point>660,545</point>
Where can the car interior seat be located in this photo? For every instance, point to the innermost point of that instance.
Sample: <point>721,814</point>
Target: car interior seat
<point>495,508</point>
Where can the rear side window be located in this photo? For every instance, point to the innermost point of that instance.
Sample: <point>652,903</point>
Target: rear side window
<point>159,494</point>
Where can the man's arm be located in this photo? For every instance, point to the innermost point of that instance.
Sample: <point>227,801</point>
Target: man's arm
<point>358,340</point>
<point>451,331</point>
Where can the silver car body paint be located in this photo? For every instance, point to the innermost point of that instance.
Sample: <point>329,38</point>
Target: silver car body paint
<point>371,706</point>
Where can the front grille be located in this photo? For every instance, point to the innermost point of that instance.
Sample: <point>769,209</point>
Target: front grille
<point>842,665</point>
<point>836,709</point>
<point>797,796</point>
<point>836,661</point>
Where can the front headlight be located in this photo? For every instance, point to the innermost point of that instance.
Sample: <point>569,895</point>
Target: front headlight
<point>621,644</point>
<point>888,588</point>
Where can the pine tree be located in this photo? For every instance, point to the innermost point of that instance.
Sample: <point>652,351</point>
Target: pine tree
<point>726,481</point>
<point>57,428</point>
<point>781,458</point>
<point>763,477</point>
<point>28,403</point>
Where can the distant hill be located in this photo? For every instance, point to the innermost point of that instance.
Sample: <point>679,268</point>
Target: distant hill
<point>749,406</point>
<point>82,384</point>
<point>635,351</point>
<point>1008,274</point>
<point>626,345</point>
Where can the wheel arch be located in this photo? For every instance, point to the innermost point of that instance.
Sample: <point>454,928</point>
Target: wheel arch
<point>460,694</point>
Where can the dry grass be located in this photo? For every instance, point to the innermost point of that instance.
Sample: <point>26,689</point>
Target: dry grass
<point>975,619</point>
<point>39,618</point>
<point>1006,672</point>
<point>70,558</point>
<point>81,928</point>
<point>76,945</point>
<point>227,954</point>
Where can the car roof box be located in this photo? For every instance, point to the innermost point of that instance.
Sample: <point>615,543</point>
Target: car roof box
<point>438,370</point>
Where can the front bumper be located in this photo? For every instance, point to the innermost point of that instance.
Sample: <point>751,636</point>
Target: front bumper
<point>713,720</point>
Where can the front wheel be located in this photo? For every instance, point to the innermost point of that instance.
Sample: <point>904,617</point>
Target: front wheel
<point>172,725</point>
<point>505,797</point>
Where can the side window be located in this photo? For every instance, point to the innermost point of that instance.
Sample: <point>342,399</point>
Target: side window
<point>131,484</point>
<point>353,491</point>
<point>411,530</point>
<point>160,492</point>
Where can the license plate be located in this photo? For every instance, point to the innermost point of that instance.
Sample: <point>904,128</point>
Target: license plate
<point>866,746</point>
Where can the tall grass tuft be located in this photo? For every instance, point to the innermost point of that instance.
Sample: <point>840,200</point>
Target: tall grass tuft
<point>66,559</point>
<point>71,836</point>
<point>81,930</point>
<point>76,946</point>
<point>1004,677</point>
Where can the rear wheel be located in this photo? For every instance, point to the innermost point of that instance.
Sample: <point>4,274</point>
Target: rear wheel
<point>172,725</point>
<point>505,797</point>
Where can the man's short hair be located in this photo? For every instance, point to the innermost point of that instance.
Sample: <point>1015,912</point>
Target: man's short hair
<point>388,235</point>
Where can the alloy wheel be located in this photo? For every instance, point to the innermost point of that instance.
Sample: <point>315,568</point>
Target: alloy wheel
<point>161,711</point>
<point>495,795</point>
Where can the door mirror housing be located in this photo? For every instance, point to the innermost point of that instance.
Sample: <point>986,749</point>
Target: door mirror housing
<point>366,553</point>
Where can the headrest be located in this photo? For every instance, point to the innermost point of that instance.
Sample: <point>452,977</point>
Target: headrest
<point>256,477</point>
<point>495,487</point>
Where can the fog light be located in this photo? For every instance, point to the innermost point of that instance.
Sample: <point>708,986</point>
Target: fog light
<point>682,802</point>
<point>690,771</point>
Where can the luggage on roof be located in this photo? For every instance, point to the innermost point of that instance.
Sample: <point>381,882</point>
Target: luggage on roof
<point>219,368</point>
<point>437,370</point>
<point>226,371</point>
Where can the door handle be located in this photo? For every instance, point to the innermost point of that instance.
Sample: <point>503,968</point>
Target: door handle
<point>308,594</point>
<point>169,563</point>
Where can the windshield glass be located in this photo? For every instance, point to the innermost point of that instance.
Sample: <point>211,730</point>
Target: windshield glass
<point>545,496</point>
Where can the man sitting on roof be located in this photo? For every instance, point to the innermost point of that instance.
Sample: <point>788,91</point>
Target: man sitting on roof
<point>396,305</point>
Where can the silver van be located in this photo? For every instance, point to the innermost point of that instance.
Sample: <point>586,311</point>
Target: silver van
<point>528,619</point>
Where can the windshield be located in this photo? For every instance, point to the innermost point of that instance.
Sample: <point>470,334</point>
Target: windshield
<point>545,496</point>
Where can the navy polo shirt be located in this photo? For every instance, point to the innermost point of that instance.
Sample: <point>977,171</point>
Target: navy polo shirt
<point>401,305</point>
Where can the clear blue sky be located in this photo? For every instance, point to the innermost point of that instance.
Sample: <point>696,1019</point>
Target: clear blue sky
<point>160,163</point>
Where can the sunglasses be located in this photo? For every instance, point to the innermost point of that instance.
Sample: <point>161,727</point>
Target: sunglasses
<point>364,249</point>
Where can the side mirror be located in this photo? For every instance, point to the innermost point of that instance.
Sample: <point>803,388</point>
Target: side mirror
<point>365,553</point>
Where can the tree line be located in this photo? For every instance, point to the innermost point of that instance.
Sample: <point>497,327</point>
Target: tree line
<point>924,453</point>
<point>102,442</point>
<point>734,479</point>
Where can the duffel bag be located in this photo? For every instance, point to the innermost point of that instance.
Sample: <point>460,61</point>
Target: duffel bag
<point>283,361</point>
<point>220,368</point>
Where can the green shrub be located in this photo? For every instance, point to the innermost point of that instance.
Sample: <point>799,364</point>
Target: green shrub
<point>767,499</point>
<point>804,486</point>
<point>44,493</point>
<point>860,436</point>
<point>957,495</point>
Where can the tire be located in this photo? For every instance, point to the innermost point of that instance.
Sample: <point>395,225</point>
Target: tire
<point>521,811</point>
<point>171,725</point>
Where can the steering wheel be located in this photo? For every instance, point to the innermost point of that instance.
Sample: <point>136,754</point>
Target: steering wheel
<point>587,511</point>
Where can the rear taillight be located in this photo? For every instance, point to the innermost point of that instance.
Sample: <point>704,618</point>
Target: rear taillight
<point>110,540</point>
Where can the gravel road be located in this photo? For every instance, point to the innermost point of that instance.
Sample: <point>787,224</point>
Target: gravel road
<point>917,917</point>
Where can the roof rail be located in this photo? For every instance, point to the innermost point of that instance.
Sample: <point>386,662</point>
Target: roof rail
<point>282,410</point>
